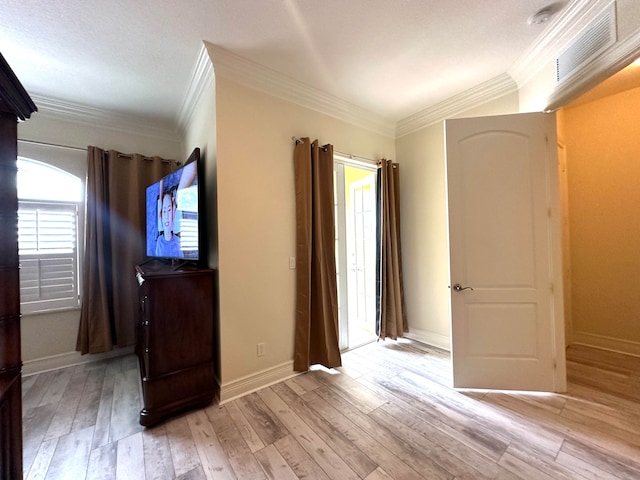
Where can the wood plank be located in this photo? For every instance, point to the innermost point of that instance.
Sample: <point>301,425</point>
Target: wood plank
<point>298,459</point>
<point>451,454</point>
<point>114,367</point>
<point>27,382</point>
<point>35,422</point>
<point>437,462</point>
<point>599,460</point>
<point>378,474</point>
<point>242,461</point>
<point>569,428</point>
<point>363,399</point>
<point>67,407</point>
<point>584,468</point>
<point>321,453</point>
<point>267,425</point>
<point>490,429</point>
<point>393,417</point>
<point>102,433</point>
<point>274,465</point>
<point>125,419</point>
<point>408,453</point>
<point>38,390</point>
<point>352,370</point>
<point>89,403</point>
<point>157,454</point>
<point>527,468</point>
<point>40,465</point>
<point>71,456</point>
<point>195,474</point>
<point>57,386</point>
<point>369,443</point>
<point>184,453</point>
<point>214,462</point>
<point>103,462</point>
<point>591,395</point>
<point>339,443</point>
<point>303,383</point>
<point>619,424</point>
<point>246,430</point>
<point>130,457</point>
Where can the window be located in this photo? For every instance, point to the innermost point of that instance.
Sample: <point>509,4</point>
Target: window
<point>48,203</point>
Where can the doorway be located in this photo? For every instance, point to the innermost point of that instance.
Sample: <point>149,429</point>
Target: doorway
<point>355,216</point>
<point>598,154</point>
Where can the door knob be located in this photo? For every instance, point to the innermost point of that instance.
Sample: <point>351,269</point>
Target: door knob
<point>458,288</point>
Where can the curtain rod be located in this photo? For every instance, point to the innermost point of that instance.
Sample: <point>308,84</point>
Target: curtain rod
<point>347,155</point>
<point>356,157</point>
<point>163,160</point>
<point>52,145</point>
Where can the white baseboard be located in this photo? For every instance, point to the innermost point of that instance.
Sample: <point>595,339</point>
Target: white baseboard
<point>607,343</point>
<point>236,388</point>
<point>430,338</point>
<point>69,359</point>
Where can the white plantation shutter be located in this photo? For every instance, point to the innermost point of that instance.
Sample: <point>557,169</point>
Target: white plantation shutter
<point>47,245</point>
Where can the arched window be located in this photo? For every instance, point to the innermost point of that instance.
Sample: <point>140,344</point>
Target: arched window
<point>48,203</point>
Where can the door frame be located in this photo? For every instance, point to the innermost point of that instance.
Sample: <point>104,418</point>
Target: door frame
<point>341,248</point>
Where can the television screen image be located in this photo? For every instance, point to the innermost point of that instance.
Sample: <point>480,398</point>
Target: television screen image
<point>172,215</point>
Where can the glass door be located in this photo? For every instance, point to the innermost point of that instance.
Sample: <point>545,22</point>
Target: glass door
<point>355,212</point>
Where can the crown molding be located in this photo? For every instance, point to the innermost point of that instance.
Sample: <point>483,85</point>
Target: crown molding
<point>202,77</point>
<point>250,74</point>
<point>473,97</point>
<point>101,118</point>
<point>556,38</point>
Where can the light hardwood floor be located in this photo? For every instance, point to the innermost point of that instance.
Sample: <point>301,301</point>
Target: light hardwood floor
<point>388,413</point>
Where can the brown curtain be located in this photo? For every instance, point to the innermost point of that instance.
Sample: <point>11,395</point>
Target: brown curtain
<point>114,244</point>
<point>391,316</point>
<point>316,329</point>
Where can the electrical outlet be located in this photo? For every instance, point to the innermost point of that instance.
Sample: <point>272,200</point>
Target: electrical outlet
<point>292,263</point>
<point>260,349</point>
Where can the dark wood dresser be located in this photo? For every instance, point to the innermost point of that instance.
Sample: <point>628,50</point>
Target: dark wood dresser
<point>175,339</point>
<point>15,105</point>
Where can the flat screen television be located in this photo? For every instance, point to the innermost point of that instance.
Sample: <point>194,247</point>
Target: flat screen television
<point>174,214</point>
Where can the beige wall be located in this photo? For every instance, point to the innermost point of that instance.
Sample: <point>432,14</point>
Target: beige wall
<point>425,247</point>
<point>49,339</point>
<point>64,130</point>
<point>256,221</point>
<point>602,151</point>
<point>200,132</point>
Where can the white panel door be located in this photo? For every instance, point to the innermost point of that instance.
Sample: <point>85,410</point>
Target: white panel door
<point>504,240</point>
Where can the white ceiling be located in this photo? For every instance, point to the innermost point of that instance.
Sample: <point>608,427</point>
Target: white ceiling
<point>391,57</point>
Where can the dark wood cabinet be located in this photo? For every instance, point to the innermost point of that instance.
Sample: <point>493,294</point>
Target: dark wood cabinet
<point>15,104</point>
<point>175,339</point>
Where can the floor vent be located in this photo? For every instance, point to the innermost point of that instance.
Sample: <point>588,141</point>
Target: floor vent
<point>599,36</point>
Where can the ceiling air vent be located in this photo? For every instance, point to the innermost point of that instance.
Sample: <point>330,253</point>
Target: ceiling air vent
<point>599,36</point>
